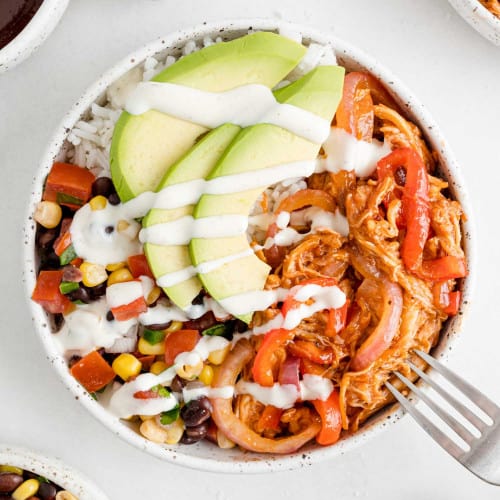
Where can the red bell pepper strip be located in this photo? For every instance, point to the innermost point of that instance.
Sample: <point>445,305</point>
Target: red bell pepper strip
<point>179,341</point>
<point>355,112</point>
<point>446,300</point>
<point>331,420</point>
<point>48,294</point>
<point>337,319</point>
<point>415,203</point>
<point>131,310</point>
<point>309,367</point>
<point>444,268</point>
<point>262,369</point>
<point>93,372</point>
<point>270,418</point>
<point>68,185</point>
<point>62,243</point>
<point>139,266</point>
<point>310,351</point>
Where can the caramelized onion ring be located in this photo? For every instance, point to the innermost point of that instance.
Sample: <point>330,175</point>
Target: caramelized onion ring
<point>380,339</point>
<point>233,428</point>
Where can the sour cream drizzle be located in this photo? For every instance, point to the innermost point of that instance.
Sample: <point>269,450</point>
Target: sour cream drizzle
<point>244,106</point>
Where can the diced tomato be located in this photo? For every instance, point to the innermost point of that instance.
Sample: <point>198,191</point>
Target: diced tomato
<point>179,341</point>
<point>331,420</point>
<point>68,185</point>
<point>131,310</point>
<point>262,369</point>
<point>93,372</point>
<point>48,294</point>
<point>149,394</point>
<point>138,265</point>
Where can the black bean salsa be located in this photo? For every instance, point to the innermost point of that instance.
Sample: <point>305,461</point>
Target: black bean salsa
<point>14,16</point>
<point>20,484</point>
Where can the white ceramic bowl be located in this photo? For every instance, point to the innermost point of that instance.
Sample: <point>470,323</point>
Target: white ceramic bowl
<point>479,17</point>
<point>64,476</point>
<point>33,35</point>
<point>204,455</point>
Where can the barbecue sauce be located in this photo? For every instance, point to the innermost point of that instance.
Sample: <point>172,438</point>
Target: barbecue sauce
<point>14,16</point>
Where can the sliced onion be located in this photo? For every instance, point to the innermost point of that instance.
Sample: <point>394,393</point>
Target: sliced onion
<point>289,372</point>
<point>381,338</point>
<point>233,428</point>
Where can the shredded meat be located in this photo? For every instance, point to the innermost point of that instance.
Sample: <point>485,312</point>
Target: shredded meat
<point>493,6</point>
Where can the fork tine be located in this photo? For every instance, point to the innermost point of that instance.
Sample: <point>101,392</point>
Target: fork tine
<point>453,423</point>
<point>480,400</point>
<point>458,405</point>
<point>442,439</point>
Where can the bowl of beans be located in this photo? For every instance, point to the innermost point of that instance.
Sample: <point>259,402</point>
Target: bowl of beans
<point>26,474</point>
<point>24,25</point>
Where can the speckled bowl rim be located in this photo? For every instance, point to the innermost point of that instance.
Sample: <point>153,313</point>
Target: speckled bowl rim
<point>33,35</point>
<point>53,469</point>
<point>231,461</point>
<point>479,17</point>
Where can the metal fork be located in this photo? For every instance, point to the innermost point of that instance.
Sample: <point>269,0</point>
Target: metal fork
<point>482,454</point>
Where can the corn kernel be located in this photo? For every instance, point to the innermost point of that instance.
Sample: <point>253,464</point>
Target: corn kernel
<point>152,431</point>
<point>174,326</point>
<point>153,295</point>
<point>26,490</point>
<point>115,266</point>
<point>98,203</point>
<point>223,441</point>
<point>65,495</point>
<point>120,276</point>
<point>144,347</point>
<point>175,430</point>
<point>217,357</point>
<point>126,365</point>
<point>12,469</point>
<point>122,226</point>
<point>207,375</point>
<point>146,417</point>
<point>189,372</point>
<point>48,214</point>
<point>157,367</point>
<point>93,274</point>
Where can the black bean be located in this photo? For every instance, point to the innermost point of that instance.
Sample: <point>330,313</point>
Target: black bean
<point>158,326</point>
<point>80,294</point>
<point>177,384</point>
<point>49,260</point>
<point>206,321</point>
<point>400,176</point>
<point>198,300</point>
<point>196,412</point>
<point>9,481</point>
<point>109,229</point>
<point>45,237</point>
<point>47,491</point>
<point>114,199</point>
<point>194,434</point>
<point>110,316</point>
<point>97,291</point>
<point>103,186</point>
<point>240,326</point>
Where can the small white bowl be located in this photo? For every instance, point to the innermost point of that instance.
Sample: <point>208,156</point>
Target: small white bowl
<point>479,17</point>
<point>64,476</point>
<point>203,455</point>
<point>33,35</point>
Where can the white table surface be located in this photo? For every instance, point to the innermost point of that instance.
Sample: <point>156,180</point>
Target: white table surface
<point>454,71</point>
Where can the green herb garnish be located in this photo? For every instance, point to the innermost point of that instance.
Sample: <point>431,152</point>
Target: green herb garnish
<point>167,417</point>
<point>67,198</point>
<point>67,256</point>
<point>68,287</point>
<point>163,392</point>
<point>216,330</point>
<point>153,336</point>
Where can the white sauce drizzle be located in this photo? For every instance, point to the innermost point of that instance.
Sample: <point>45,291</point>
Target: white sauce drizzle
<point>244,106</point>
<point>123,404</point>
<point>345,152</point>
<point>96,239</point>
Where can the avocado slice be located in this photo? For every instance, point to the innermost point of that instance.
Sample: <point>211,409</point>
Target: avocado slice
<point>255,148</point>
<point>145,146</point>
<point>195,164</point>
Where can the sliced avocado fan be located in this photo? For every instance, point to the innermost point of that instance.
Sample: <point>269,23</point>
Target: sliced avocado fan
<point>145,146</point>
<point>255,148</point>
<point>196,164</point>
